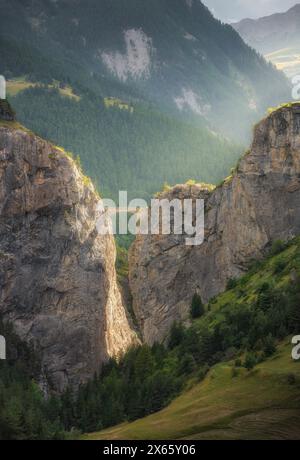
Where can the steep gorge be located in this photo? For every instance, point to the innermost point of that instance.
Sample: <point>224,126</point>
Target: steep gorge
<point>259,204</point>
<point>57,274</point>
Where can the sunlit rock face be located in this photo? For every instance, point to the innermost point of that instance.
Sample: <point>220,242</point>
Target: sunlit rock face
<point>57,274</point>
<point>259,204</point>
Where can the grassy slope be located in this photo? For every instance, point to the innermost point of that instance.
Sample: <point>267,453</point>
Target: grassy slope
<point>18,85</point>
<point>258,404</point>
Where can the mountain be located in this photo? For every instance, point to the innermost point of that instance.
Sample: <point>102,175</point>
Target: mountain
<point>255,206</point>
<point>188,81</point>
<point>276,36</point>
<point>57,277</point>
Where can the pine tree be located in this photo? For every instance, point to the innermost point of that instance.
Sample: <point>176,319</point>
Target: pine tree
<point>197,307</point>
<point>176,335</point>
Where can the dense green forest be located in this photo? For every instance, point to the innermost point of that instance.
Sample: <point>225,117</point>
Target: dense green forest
<point>121,150</point>
<point>24,412</point>
<point>243,325</point>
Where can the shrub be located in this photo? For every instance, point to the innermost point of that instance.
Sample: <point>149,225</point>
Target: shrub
<point>265,298</point>
<point>279,266</point>
<point>238,362</point>
<point>191,182</point>
<point>250,361</point>
<point>234,372</point>
<point>197,307</point>
<point>166,187</point>
<point>202,372</point>
<point>264,287</point>
<point>230,353</point>
<point>231,283</point>
<point>269,346</point>
<point>176,335</point>
<point>277,247</point>
<point>187,364</point>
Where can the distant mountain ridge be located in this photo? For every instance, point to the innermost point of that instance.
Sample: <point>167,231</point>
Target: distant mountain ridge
<point>277,30</point>
<point>276,36</point>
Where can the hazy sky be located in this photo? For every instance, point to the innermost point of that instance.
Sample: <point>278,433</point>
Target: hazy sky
<point>234,10</point>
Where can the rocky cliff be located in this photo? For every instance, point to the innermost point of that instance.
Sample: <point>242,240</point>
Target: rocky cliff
<point>260,203</point>
<point>57,274</point>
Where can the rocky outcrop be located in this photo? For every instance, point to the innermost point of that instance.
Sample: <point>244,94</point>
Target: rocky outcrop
<point>6,112</point>
<point>260,203</point>
<point>57,274</point>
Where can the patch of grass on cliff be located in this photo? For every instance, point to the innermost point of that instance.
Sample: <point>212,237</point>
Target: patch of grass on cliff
<point>15,125</point>
<point>189,183</point>
<point>286,105</point>
<point>87,181</point>
<point>20,84</point>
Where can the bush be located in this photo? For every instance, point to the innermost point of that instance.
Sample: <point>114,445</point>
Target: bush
<point>238,362</point>
<point>234,372</point>
<point>176,335</point>
<point>231,283</point>
<point>250,361</point>
<point>265,298</point>
<point>264,287</point>
<point>277,247</point>
<point>230,354</point>
<point>269,346</point>
<point>202,372</point>
<point>197,307</point>
<point>187,364</point>
<point>279,266</point>
<point>191,182</point>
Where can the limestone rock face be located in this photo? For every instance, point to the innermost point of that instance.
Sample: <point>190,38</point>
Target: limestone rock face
<point>57,274</point>
<point>259,204</point>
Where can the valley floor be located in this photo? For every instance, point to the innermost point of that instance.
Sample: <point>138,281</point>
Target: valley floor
<point>260,404</point>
